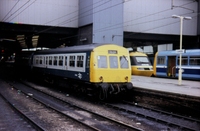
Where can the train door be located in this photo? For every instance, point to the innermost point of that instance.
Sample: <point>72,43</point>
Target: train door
<point>171,66</point>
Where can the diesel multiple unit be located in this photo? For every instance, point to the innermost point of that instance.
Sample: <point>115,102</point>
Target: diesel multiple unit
<point>103,67</point>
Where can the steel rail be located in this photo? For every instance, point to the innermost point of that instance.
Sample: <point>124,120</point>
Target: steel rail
<point>151,117</point>
<point>164,112</point>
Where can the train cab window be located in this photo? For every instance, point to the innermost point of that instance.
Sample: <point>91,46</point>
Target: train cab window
<point>55,60</point>
<point>79,61</point>
<point>60,60</point>
<point>50,60</point>
<point>184,61</point>
<point>113,61</point>
<point>72,61</point>
<point>142,60</point>
<point>123,62</point>
<point>102,61</point>
<point>194,60</point>
<point>161,60</point>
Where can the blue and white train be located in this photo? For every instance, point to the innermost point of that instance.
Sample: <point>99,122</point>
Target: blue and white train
<point>166,64</point>
<point>103,68</point>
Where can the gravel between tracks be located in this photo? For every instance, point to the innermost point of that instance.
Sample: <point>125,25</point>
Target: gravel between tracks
<point>85,102</point>
<point>42,115</point>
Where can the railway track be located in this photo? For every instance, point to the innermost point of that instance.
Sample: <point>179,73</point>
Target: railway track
<point>36,113</point>
<point>179,104</point>
<point>91,119</point>
<point>159,116</point>
<point>20,117</point>
<point>181,122</point>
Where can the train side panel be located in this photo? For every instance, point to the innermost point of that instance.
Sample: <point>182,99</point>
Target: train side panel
<point>166,64</point>
<point>70,65</point>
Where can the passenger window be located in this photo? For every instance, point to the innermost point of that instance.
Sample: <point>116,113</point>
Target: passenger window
<point>194,60</point>
<point>41,59</point>
<point>102,61</point>
<point>161,60</point>
<point>65,60</point>
<point>36,60</point>
<point>55,60</point>
<point>72,61</point>
<point>47,60</point>
<point>60,60</point>
<point>184,61</point>
<point>113,61</point>
<point>50,60</point>
<point>79,61</point>
<point>124,62</point>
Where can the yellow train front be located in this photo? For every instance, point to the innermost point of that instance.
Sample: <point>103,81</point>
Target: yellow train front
<point>105,68</point>
<point>110,69</point>
<point>140,64</point>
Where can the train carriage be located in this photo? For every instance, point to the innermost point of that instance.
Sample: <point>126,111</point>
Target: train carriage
<point>166,64</point>
<point>105,66</point>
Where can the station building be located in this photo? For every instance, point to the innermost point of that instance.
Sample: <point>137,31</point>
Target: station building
<point>144,24</point>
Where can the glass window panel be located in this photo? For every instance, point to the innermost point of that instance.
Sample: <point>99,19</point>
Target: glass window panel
<point>79,61</point>
<point>124,62</point>
<point>102,61</point>
<point>72,61</point>
<point>113,61</point>
<point>55,60</point>
<point>50,60</point>
<point>47,60</point>
<point>184,61</point>
<point>36,60</point>
<point>161,60</point>
<point>41,59</point>
<point>142,60</point>
<point>195,60</point>
<point>60,61</point>
<point>66,60</point>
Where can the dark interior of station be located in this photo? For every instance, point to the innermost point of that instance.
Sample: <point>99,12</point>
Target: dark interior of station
<point>15,37</point>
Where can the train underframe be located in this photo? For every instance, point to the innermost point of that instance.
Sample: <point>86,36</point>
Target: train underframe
<point>101,90</point>
<point>105,90</point>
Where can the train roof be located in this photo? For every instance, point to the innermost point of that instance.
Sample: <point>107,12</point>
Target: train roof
<point>174,52</point>
<point>70,49</point>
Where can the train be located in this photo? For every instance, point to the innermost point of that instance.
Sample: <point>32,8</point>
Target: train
<point>140,64</point>
<point>104,68</point>
<point>166,64</point>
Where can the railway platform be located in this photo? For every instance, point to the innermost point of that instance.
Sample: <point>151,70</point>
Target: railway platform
<point>188,88</point>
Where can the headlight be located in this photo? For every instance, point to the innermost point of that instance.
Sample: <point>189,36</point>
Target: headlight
<point>126,78</point>
<point>101,78</point>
